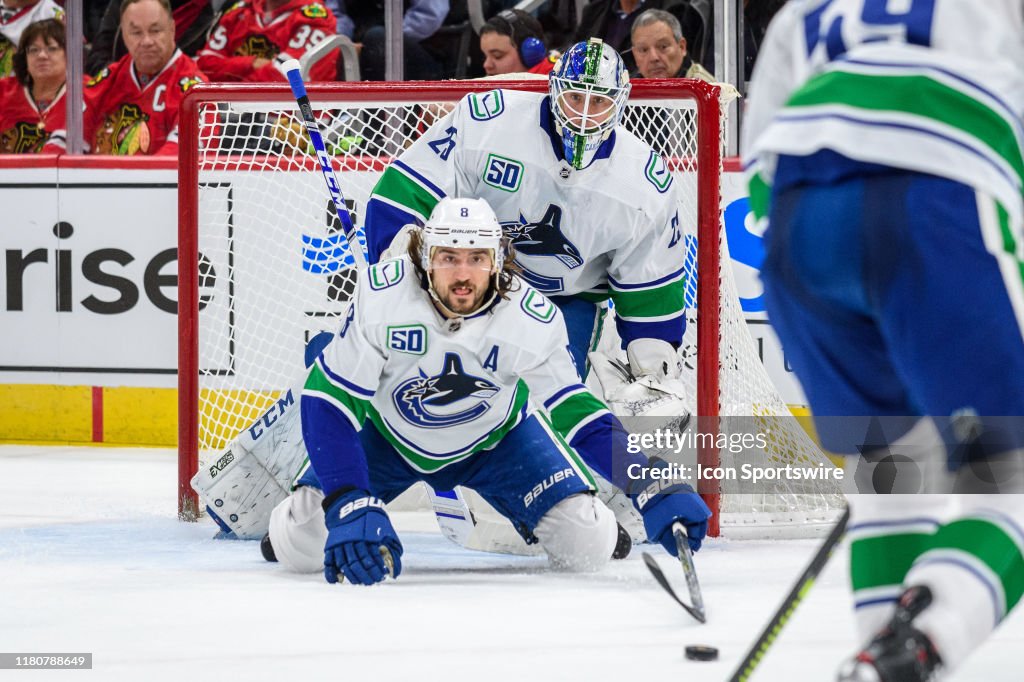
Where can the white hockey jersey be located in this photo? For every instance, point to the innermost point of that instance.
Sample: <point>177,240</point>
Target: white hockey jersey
<point>439,390</point>
<point>934,86</point>
<point>611,229</point>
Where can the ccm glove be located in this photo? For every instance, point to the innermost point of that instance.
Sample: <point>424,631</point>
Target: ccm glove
<point>359,536</point>
<point>663,501</point>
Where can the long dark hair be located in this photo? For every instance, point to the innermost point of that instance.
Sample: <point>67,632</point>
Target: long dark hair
<point>49,29</point>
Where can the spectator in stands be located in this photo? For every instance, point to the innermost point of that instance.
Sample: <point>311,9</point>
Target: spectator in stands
<point>423,60</point>
<point>32,101</point>
<point>253,39</point>
<point>15,17</point>
<point>660,48</point>
<point>513,42</point>
<point>192,21</point>
<point>611,21</point>
<point>131,107</point>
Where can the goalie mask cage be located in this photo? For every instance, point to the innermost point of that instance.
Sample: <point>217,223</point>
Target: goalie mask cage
<point>262,269</point>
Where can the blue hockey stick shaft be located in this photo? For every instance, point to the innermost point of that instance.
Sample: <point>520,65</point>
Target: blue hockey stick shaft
<point>294,72</point>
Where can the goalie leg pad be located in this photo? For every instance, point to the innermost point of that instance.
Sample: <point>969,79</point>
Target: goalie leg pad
<point>579,533</point>
<point>255,473</point>
<point>298,532</point>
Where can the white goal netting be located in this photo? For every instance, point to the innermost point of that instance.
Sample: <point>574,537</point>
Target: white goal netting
<point>273,270</point>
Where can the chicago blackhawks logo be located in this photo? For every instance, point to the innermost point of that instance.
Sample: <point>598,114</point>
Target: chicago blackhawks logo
<point>22,138</point>
<point>257,46</point>
<point>543,238</point>
<point>440,401</point>
<point>95,80</point>
<point>315,11</point>
<point>188,82</point>
<point>124,132</point>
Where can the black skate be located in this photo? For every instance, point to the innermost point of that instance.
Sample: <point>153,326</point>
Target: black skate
<point>900,652</point>
<point>267,549</point>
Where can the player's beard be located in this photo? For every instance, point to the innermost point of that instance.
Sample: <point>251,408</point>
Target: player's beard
<point>466,301</point>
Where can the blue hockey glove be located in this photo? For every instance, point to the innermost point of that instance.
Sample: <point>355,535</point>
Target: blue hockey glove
<point>663,501</point>
<point>359,539</point>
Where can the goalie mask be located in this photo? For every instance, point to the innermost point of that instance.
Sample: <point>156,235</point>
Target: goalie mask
<point>589,87</point>
<point>462,236</point>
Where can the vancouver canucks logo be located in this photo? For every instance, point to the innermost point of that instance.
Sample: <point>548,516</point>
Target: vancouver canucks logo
<point>446,399</point>
<point>544,238</point>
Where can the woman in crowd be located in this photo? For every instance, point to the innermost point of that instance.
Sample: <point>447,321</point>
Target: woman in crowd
<point>32,100</point>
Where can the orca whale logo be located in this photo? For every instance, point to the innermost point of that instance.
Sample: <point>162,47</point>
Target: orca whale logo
<point>432,402</point>
<point>544,238</point>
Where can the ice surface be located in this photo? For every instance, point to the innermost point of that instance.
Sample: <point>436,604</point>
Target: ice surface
<point>93,559</point>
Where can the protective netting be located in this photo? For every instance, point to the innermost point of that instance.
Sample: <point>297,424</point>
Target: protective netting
<point>274,271</point>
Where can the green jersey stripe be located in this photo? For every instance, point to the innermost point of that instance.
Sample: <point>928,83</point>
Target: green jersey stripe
<point>884,560</point>
<point>993,546</point>
<point>664,302</point>
<point>917,96</point>
<point>398,188</point>
<point>573,410</point>
<point>320,385</point>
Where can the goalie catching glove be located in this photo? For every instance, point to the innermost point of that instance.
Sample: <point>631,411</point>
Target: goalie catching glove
<point>649,386</point>
<point>663,501</point>
<point>362,545</point>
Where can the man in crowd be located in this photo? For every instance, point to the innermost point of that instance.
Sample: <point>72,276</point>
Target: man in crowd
<point>659,48</point>
<point>254,38</point>
<point>131,107</point>
<point>512,41</point>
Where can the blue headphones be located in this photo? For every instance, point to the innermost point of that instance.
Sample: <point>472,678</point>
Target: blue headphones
<point>531,49</point>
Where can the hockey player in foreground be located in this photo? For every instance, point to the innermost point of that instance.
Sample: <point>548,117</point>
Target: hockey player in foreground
<point>885,151</point>
<point>431,379</point>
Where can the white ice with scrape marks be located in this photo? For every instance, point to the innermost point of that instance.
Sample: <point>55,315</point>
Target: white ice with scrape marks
<point>93,559</point>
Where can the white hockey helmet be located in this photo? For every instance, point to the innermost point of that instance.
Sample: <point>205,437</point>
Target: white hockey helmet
<point>463,224</point>
<point>589,86</point>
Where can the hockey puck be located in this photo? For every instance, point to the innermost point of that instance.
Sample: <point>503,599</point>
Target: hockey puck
<point>701,653</point>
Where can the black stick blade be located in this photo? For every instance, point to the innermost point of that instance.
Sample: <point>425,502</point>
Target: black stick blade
<point>659,576</point>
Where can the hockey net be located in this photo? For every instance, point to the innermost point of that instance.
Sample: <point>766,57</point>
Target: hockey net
<point>262,269</point>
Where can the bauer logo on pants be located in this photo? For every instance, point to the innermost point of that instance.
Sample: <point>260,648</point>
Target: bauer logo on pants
<point>539,489</point>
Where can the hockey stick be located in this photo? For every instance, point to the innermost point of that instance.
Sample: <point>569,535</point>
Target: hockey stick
<point>294,72</point>
<point>696,609</point>
<point>792,601</point>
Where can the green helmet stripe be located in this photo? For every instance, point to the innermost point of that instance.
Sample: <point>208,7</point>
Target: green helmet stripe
<point>578,147</point>
<point>592,62</point>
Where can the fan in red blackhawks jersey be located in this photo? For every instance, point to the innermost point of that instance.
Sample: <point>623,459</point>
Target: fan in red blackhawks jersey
<point>34,97</point>
<point>131,107</point>
<point>254,38</point>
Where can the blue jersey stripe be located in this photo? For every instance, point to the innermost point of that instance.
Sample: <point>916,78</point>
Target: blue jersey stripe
<point>355,388</point>
<point>642,285</point>
<point>437,191</point>
<point>557,396</point>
